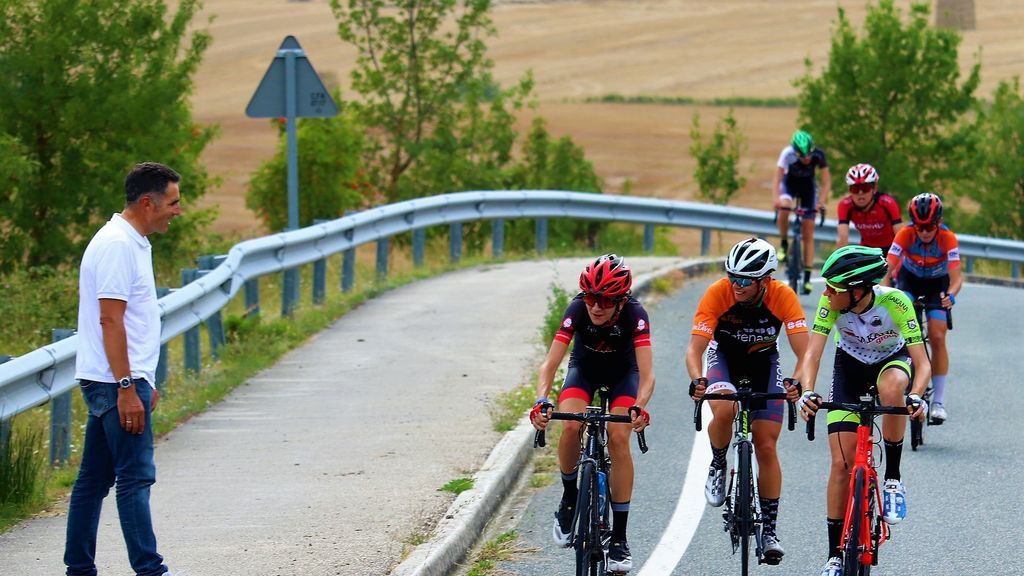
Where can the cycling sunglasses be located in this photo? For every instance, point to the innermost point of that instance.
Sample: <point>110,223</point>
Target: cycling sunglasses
<point>836,287</point>
<point>600,300</point>
<point>926,227</point>
<point>862,188</point>
<point>741,281</point>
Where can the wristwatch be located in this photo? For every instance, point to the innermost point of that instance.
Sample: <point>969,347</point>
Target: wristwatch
<point>125,382</point>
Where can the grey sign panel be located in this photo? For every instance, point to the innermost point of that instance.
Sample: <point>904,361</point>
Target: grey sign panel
<point>312,98</point>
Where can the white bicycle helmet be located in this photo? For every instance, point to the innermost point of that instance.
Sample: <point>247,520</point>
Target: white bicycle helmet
<point>752,258</point>
<point>861,174</point>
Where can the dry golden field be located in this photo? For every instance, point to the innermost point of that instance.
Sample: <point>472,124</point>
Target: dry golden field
<point>579,49</point>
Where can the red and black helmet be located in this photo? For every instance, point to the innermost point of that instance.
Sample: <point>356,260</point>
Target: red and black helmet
<point>607,276</point>
<point>926,208</point>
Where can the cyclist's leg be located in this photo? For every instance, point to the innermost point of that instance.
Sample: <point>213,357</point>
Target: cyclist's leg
<point>842,443</point>
<point>575,396</point>
<point>719,429</point>
<point>785,200</point>
<point>766,425</point>
<point>893,382</point>
<point>622,396</point>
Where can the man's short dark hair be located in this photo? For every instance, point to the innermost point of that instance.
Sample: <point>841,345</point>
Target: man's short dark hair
<point>148,177</point>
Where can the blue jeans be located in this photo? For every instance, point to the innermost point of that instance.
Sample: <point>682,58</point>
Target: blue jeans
<point>113,455</point>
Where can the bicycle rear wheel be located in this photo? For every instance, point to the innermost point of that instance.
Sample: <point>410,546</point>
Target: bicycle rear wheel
<point>744,502</point>
<point>851,541</point>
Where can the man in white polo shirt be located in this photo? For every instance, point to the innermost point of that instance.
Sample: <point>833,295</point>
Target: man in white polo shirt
<point>118,348</point>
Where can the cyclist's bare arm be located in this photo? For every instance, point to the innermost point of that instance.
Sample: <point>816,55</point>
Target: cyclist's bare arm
<point>826,187</point>
<point>780,173</point>
<point>922,369</point>
<point>645,365</point>
<point>546,376</point>
<point>956,281</point>
<point>798,342</point>
<point>842,235</point>
<point>694,358</point>
<point>811,362</point>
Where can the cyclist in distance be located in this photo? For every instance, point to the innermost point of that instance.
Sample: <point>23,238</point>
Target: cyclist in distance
<point>878,342</point>
<point>738,322</point>
<point>613,349</point>
<point>876,215</point>
<point>795,186</point>
<point>925,260</point>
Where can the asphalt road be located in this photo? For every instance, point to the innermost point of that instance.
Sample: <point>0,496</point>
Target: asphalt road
<point>965,493</point>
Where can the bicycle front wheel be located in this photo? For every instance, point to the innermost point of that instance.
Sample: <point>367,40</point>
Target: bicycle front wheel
<point>745,502</point>
<point>589,550</point>
<point>795,265</point>
<point>852,539</point>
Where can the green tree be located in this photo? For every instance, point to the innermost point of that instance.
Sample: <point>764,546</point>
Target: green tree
<point>996,182</point>
<point>891,97</point>
<point>418,62</point>
<point>331,179</point>
<point>718,159</point>
<point>89,89</point>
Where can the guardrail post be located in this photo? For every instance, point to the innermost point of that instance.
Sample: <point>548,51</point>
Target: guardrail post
<point>705,241</point>
<point>215,323</point>
<point>382,259</point>
<point>348,270</point>
<point>319,274</point>
<point>497,237</point>
<point>5,422</point>
<point>60,414</point>
<point>252,298</point>
<point>968,264</point>
<point>419,241</point>
<point>192,360</point>
<point>541,233</point>
<point>1015,270</point>
<point>161,364</point>
<point>648,238</point>
<point>455,243</point>
<point>289,291</point>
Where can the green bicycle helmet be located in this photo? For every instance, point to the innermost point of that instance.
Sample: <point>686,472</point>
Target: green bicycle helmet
<point>802,142</point>
<point>855,266</point>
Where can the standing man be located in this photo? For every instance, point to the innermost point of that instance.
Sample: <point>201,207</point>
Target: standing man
<point>795,186</point>
<point>118,348</point>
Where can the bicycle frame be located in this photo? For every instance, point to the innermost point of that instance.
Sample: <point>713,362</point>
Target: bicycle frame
<point>863,528</point>
<point>742,515</point>
<point>590,526</point>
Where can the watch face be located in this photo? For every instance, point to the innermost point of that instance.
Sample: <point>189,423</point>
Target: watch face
<point>125,382</point>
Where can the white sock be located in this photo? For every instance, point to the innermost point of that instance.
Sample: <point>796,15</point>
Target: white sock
<point>938,388</point>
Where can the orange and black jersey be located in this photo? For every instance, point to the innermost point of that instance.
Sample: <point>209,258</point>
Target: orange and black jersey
<point>742,328</point>
<point>605,350</point>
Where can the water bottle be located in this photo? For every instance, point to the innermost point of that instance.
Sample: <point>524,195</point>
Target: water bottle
<point>602,491</point>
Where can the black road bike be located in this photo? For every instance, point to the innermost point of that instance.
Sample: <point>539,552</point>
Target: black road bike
<point>591,528</point>
<point>917,427</point>
<point>742,514</point>
<point>794,256</point>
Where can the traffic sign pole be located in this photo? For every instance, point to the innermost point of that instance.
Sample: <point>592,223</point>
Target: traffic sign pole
<point>290,292</point>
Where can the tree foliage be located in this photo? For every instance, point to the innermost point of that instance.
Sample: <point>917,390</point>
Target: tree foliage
<point>89,89</point>
<point>890,96</point>
<point>331,179</point>
<point>996,181</point>
<point>718,159</point>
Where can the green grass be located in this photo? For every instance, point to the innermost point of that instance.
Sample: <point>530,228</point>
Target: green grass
<point>500,549</point>
<point>749,102</point>
<point>457,486</point>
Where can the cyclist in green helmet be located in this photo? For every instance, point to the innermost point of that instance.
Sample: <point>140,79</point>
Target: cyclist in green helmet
<point>795,185</point>
<point>878,342</point>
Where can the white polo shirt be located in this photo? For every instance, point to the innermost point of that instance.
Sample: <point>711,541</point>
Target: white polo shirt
<point>118,264</point>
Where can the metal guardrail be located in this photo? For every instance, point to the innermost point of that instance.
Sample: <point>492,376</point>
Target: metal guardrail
<point>47,372</point>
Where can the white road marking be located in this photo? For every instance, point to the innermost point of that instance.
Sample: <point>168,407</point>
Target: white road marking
<point>681,528</point>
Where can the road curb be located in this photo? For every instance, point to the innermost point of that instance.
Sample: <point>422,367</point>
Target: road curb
<point>466,518</point>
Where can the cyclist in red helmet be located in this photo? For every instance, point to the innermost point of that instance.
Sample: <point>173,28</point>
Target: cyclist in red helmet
<point>613,349</point>
<point>925,261</point>
<point>876,215</point>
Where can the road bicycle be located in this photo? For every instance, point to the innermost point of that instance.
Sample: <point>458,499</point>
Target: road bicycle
<point>742,514</point>
<point>794,257</point>
<point>864,530</point>
<point>591,529</point>
<point>917,427</point>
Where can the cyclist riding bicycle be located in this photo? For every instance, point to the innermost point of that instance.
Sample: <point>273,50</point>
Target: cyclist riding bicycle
<point>878,342</point>
<point>794,185</point>
<point>738,322</point>
<point>925,260</point>
<point>876,215</point>
<point>613,349</point>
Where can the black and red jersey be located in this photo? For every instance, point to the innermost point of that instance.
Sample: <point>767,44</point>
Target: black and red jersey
<point>875,223</point>
<point>607,350</point>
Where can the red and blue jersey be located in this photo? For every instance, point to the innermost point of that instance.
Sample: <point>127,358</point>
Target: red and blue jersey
<point>931,260</point>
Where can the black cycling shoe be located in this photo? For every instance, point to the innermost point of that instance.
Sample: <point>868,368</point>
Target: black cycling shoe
<point>619,558</point>
<point>560,532</point>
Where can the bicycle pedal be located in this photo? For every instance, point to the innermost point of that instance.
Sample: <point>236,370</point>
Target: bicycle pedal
<point>770,560</point>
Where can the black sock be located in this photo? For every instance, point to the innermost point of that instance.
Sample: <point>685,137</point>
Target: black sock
<point>835,536</point>
<point>770,511</point>
<point>718,457</point>
<point>569,489</point>
<point>807,276</point>
<point>620,517</point>
<point>893,451</point>
<point>785,244</point>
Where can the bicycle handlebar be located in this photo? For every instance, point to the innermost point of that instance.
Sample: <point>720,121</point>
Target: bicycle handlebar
<point>802,211</point>
<point>744,394</point>
<point>539,440</point>
<point>859,408</point>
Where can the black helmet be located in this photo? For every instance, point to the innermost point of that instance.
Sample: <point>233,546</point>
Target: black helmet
<point>854,266</point>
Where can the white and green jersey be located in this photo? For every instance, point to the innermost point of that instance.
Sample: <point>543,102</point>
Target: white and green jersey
<point>878,332</point>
